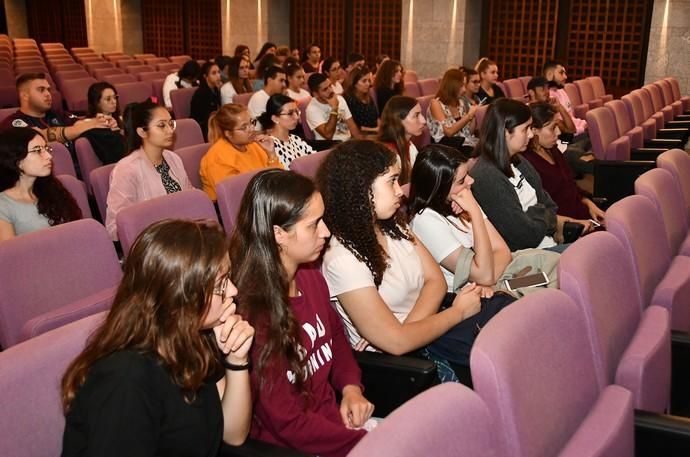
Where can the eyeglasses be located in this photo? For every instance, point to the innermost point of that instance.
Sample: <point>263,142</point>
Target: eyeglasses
<point>292,112</point>
<point>39,149</point>
<point>250,126</point>
<point>220,290</point>
<point>170,123</point>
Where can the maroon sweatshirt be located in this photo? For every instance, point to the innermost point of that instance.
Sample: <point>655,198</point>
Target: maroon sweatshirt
<point>281,414</point>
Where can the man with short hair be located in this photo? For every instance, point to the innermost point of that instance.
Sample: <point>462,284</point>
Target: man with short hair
<point>35,103</point>
<point>274,83</point>
<point>327,113</point>
<point>354,60</point>
<point>538,91</point>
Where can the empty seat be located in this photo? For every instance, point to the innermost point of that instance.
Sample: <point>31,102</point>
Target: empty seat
<point>48,281</point>
<point>584,87</point>
<point>191,159</point>
<point>8,97</point>
<point>74,93</point>
<point>412,89</point>
<point>181,59</point>
<point>122,78</point>
<point>100,184</point>
<point>101,73</point>
<point>7,112</point>
<point>87,159</point>
<point>428,86</point>
<point>579,107</point>
<point>525,80</point>
<point>302,105</point>
<point>308,165</point>
<point>410,76</point>
<point>242,99</point>
<point>187,133</point>
<point>147,76</point>
<point>144,56</point>
<point>153,61</point>
<point>667,92</point>
<point>169,67</point>
<point>91,66</point>
<point>188,204</point>
<point>675,88</point>
<point>181,100</point>
<point>135,92</point>
<point>677,162</point>
<point>129,63</point>
<point>514,88</point>
<point>78,191</point>
<point>62,161</point>
<point>134,69</point>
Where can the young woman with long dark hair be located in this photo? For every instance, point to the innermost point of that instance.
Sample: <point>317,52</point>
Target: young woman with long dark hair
<point>281,117</point>
<point>389,82</point>
<point>109,145</point>
<point>238,80</point>
<point>206,99</point>
<point>360,102</point>
<point>401,120</point>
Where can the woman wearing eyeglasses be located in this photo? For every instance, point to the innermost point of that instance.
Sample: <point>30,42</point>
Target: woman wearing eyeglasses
<point>108,144</point>
<point>507,187</point>
<point>236,149</point>
<point>167,373</point>
<point>150,169</point>
<point>282,116</point>
<point>31,198</point>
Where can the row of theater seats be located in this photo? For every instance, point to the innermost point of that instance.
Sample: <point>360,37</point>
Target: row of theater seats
<point>587,370</point>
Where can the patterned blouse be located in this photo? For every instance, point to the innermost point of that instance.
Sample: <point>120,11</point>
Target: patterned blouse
<point>171,186</point>
<point>290,150</point>
<point>436,127</point>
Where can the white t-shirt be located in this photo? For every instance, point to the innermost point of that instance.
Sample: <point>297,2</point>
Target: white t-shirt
<point>399,289</point>
<point>528,197</point>
<point>227,93</point>
<point>442,236</point>
<point>338,88</point>
<point>257,106</point>
<point>169,85</point>
<point>318,114</point>
<point>297,96</point>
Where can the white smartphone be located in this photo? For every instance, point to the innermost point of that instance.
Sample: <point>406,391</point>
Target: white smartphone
<point>595,224</point>
<point>534,280</point>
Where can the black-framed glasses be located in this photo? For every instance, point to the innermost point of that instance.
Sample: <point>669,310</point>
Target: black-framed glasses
<point>39,149</point>
<point>249,126</point>
<point>292,112</point>
<point>223,287</point>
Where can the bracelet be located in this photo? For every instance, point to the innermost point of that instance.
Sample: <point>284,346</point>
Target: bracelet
<point>232,367</point>
<point>334,112</point>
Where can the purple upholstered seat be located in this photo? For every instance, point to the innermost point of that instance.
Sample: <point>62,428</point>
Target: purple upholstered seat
<point>444,421</point>
<point>661,188</point>
<point>74,93</point>
<point>584,86</point>
<point>515,88</point>
<point>229,192</point>
<point>428,86</point>
<point>100,184</point>
<point>533,366</point>
<point>603,132</point>
<point>677,162</point>
<point>308,165</point>
<point>626,124</point>
<point>88,160</point>
<point>191,159</point>
<point>599,88</point>
<point>181,100</point>
<point>632,344</point>
<point>31,417</point>
<point>667,93</point>
<point>412,89</point>
<point>135,92</point>
<point>119,78</point>
<point>78,190</point>
<point>189,204</point>
<point>62,160</point>
<point>54,276</point>
<point>675,87</point>
<point>580,108</point>
<point>634,104</point>
<point>664,279</point>
<point>187,133</point>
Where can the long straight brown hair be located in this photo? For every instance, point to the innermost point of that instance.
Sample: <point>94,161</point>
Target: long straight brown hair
<point>160,305</point>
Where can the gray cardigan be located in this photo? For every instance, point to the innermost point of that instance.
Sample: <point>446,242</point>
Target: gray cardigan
<point>498,198</point>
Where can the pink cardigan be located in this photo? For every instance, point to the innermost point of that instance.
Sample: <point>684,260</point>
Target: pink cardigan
<point>134,179</point>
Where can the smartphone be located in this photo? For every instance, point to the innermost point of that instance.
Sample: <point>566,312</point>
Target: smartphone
<point>534,280</point>
<point>482,101</point>
<point>595,224</point>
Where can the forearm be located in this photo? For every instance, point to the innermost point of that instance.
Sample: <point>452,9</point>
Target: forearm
<point>237,407</point>
<point>482,271</point>
<point>328,129</point>
<point>567,120</point>
<point>428,301</point>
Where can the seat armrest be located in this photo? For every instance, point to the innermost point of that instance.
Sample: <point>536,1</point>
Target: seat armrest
<point>682,117</point>
<point>677,124</point>
<point>615,179</point>
<point>672,133</point>
<point>667,143</point>
<point>646,153</point>
<point>680,373</point>
<point>389,380</point>
<point>256,448</point>
<point>661,434</point>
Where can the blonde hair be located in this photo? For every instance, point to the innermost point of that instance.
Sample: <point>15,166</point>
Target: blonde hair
<point>223,119</point>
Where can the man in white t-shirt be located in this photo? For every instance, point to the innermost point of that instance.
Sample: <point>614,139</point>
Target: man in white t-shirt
<point>274,83</point>
<point>328,114</point>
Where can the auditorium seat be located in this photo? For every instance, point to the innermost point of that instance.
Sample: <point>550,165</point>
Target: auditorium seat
<point>48,281</point>
<point>412,89</point>
<point>101,73</point>
<point>62,160</point>
<point>181,100</point>
<point>684,99</point>
<point>8,96</point>
<point>428,86</point>
<point>135,92</point>
<point>87,159</point>
<point>90,67</point>
<point>100,184</point>
<point>62,75</point>
<point>533,366</point>
<point>181,59</point>
<point>129,63</point>
<point>653,94</point>
<point>667,92</point>
<point>157,90</point>
<point>134,69</point>
<point>579,107</point>
<point>144,56</point>
<point>7,112</point>
<point>187,133</point>
<point>308,165</point>
<point>479,116</point>
<point>631,341</point>
<point>168,68</point>
<point>302,105</point>
<point>652,123</point>
<point>525,80</point>
<point>677,162</point>
<point>625,125</point>
<point>584,87</point>
<point>74,93</point>
<point>188,204</point>
<point>229,192</point>
<point>514,89</point>
<point>78,191</point>
<point>121,78</point>
<point>410,76</point>
<point>242,99</point>
<point>153,61</point>
<point>191,159</point>
<point>147,76</point>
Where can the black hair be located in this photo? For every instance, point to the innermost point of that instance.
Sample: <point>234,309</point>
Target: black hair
<point>272,72</point>
<point>190,70</point>
<point>326,66</point>
<point>137,115</point>
<point>262,52</point>
<point>503,114</point>
<point>550,64</point>
<point>273,106</point>
<point>315,81</point>
<point>537,81</point>
<point>354,57</point>
<point>93,97</point>
<point>542,113</point>
<point>28,77</point>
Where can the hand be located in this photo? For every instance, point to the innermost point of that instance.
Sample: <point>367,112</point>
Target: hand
<point>596,213</point>
<point>473,111</point>
<point>468,300</point>
<point>333,102</point>
<point>361,345</point>
<point>554,102</point>
<point>486,292</point>
<point>355,410</point>
<point>587,224</point>
<point>465,201</point>
<point>266,142</point>
<point>234,336</point>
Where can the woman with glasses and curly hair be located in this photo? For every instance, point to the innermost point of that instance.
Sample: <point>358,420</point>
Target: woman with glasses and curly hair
<point>31,198</point>
<point>167,373</point>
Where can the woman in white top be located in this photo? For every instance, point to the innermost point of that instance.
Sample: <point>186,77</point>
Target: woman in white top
<point>238,75</point>
<point>295,77</point>
<point>187,76</point>
<point>281,116</point>
<point>385,284</point>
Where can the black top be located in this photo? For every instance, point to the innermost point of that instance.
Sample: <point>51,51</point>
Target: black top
<point>204,101</point>
<point>383,95</point>
<point>129,406</point>
<point>108,145</point>
<point>498,93</point>
<point>364,114</point>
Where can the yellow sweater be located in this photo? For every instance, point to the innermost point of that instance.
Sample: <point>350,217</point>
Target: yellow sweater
<point>223,160</point>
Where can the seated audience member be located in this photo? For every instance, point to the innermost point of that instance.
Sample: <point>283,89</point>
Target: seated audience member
<point>187,76</point>
<point>108,144</point>
<point>235,149</point>
<point>327,113</point>
<point>31,198</point>
<point>556,176</point>
<point>354,60</point>
<point>450,122</point>
<point>282,53</point>
<point>378,61</point>
<point>242,50</point>
<point>295,53</point>
<point>167,372</point>
<point>401,120</point>
<point>472,85</point>
<point>267,48</point>
<point>281,117</point>
<point>280,233</point>
<point>388,83</point>
<point>274,83</point>
<point>384,283</point>
<point>507,187</point>
<point>269,61</point>
<point>35,103</point>
<point>222,62</point>
<point>447,219</point>
<point>150,169</point>
<point>360,102</point>
<point>312,63</point>
<point>295,83</point>
<point>488,73</point>
<point>331,68</point>
<point>206,99</point>
<point>238,80</point>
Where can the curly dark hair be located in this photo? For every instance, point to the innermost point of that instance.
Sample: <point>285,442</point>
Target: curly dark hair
<point>54,201</point>
<point>345,179</point>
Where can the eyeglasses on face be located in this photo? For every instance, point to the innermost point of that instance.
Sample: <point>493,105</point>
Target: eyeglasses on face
<point>292,112</point>
<point>251,125</point>
<point>223,287</point>
<point>39,149</point>
<point>169,123</point>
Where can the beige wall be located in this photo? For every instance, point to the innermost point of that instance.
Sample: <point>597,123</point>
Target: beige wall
<point>253,22</point>
<point>439,34</point>
<point>669,43</point>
